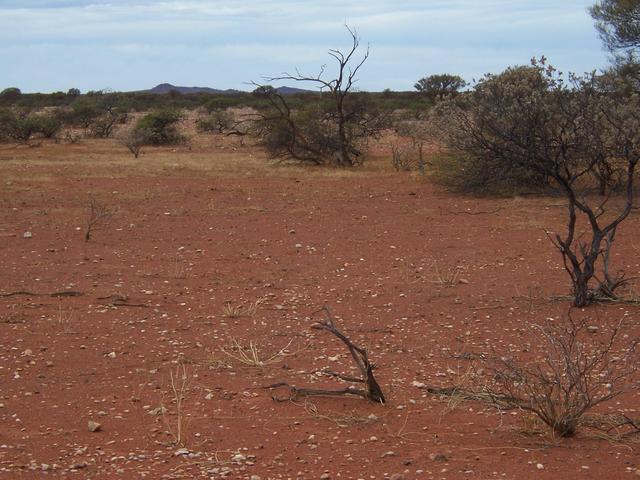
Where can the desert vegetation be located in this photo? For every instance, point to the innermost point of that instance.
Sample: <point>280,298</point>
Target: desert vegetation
<point>432,282</point>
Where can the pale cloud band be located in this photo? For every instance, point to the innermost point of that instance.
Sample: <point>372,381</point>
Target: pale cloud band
<point>125,45</point>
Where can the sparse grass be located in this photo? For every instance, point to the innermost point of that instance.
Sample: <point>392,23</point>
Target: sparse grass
<point>63,319</point>
<point>179,271</point>
<point>230,310</point>
<point>340,419</point>
<point>251,354</point>
<point>448,278</point>
<point>180,388</point>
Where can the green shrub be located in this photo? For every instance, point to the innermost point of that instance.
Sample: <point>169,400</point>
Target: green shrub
<point>22,126</point>
<point>161,127</point>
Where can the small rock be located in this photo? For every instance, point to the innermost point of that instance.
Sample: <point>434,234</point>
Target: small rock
<point>418,384</point>
<point>111,355</point>
<point>238,458</point>
<point>464,281</point>
<point>27,235</point>
<point>397,476</point>
<point>540,466</point>
<point>325,476</point>
<point>79,466</point>
<point>254,477</point>
<point>158,411</point>
<point>181,451</point>
<point>389,454</point>
<point>94,426</point>
<point>438,457</point>
<point>592,329</point>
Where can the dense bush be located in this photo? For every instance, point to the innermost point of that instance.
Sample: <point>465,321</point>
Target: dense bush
<point>22,126</point>
<point>440,86</point>
<point>160,127</point>
<point>532,125</point>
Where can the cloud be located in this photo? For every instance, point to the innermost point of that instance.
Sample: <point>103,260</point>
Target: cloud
<point>55,44</point>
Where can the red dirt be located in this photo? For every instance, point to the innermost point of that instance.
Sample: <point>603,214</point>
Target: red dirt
<point>184,241</point>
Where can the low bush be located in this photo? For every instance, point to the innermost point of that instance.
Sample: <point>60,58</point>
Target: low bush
<point>160,127</point>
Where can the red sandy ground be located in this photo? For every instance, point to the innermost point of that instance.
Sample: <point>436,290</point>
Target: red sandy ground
<point>193,230</point>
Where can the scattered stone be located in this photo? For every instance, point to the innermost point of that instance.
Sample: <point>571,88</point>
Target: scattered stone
<point>592,329</point>
<point>540,466</point>
<point>438,457</point>
<point>94,426</point>
<point>181,451</point>
<point>464,281</point>
<point>418,384</point>
<point>255,477</point>
<point>238,458</point>
<point>27,235</point>
<point>111,355</point>
<point>397,476</point>
<point>79,466</point>
<point>157,411</point>
<point>388,454</point>
<point>325,476</point>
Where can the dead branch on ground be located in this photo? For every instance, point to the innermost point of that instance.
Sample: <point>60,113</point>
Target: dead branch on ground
<point>371,390</point>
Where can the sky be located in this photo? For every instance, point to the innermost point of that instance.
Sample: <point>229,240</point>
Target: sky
<point>54,45</point>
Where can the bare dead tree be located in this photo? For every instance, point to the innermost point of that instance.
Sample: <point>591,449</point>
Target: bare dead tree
<point>99,216</point>
<point>371,389</point>
<point>339,122</point>
<point>283,135</point>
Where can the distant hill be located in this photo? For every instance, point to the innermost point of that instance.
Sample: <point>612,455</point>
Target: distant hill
<point>293,90</point>
<point>165,88</point>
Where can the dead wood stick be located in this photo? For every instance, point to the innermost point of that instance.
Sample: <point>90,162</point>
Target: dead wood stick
<point>65,293</point>
<point>372,390</point>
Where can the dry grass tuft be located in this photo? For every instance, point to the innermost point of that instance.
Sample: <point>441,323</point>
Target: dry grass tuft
<point>251,354</point>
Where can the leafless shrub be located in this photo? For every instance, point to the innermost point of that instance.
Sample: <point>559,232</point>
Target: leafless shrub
<point>410,156</point>
<point>99,216</point>
<point>134,140</point>
<point>577,373</point>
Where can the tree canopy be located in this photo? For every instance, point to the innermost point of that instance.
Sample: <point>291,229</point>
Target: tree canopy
<point>618,22</point>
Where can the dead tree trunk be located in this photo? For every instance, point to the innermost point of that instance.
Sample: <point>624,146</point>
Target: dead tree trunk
<point>371,389</point>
